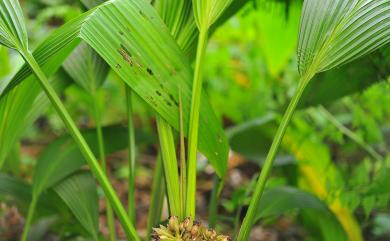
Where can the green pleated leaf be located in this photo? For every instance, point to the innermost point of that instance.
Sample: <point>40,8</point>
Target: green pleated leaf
<point>13,32</point>
<point>52,52</point>
<point>208,11</point>
<point>30,102</point>
<point>281,200</point>
<point>62,157</point>
<point>335,32</point>
<point>80,195</point>
<point>175,14</point>
<point>135,42</point>
<point>21,192</point>
<point>138,46</point>
<point>86,68</point>
<point>351,78</point>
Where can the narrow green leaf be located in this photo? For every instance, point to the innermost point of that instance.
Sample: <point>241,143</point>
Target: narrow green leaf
<point>168,153</point>
<point>157,197</point>
<point>86,68</point>
<point>80,195</point>
<point>335,32</point>
<point>13,33</point>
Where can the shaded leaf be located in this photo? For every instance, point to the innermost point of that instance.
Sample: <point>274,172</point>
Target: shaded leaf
<point>350,78</point>
<point>86,68</point>
<point>281,200</point>
<point>21,191</point>
<point>241,140</point>
<point>80,195</point>
<point>62,157</point>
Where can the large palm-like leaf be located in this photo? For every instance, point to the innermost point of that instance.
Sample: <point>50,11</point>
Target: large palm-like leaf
<point>135,42</point>
<point>334,32</point>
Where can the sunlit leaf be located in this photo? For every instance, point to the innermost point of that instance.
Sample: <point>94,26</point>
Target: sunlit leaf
<point>208,11</point>
<point>13,33</point>
<point>134,41</point>
<point>30,102</point>
<point>334,32</point>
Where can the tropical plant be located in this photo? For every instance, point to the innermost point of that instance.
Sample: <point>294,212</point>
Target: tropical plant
<point>150,47</point>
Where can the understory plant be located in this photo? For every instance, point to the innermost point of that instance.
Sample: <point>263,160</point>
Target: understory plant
<point>157,50</point>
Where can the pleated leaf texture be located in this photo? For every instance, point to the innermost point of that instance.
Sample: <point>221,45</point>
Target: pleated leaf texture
<point>80,195</point>
<point>13,33</point>
<point>208,11</point>
<point>134,41</point>
<point>334,32</point>
<point>86,68</point>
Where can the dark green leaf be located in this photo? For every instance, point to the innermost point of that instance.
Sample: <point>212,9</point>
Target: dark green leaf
<point>80,195</point>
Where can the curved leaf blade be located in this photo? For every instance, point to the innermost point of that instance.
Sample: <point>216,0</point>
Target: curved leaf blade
<point>13,32</point>
<point>138,46</point>
<point>121,29</point>
<point>62,157</point>
<point>335,32</point>
<point>280,200</point>
<point>206,12</point>
<point>80,195</point>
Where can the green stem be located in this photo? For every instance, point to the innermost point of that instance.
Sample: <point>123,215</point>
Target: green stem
<point>183,164</point>
<point>103,163</point>
<point>349,133</point>
<point>83,146</point>
<point>216,193</point>
<point>131,154</point>
<point>194,125</point>
<point>260,185</point>
<point>30,216</point>
<point>156,198</point>
<point>168,152</point>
